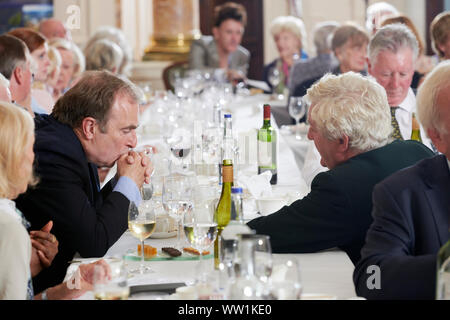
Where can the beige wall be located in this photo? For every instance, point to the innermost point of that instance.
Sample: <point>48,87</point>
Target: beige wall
<point>315,11</point>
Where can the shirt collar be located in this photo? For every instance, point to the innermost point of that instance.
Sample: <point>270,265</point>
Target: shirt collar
<point>409,103</point>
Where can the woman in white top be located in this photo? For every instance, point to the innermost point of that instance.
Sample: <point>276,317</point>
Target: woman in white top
<point>16,173</point>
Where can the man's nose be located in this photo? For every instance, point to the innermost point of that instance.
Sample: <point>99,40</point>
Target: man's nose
<point>395,81</point>
<point>132,142</point>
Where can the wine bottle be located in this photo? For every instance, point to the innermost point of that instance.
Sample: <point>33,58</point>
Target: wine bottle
<point>443,273</point>
<point>267,147</point>
<point>415,134</point>
<point>222,214</point>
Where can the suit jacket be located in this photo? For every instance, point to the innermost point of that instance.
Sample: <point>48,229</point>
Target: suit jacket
<point>204,54</point>
<point>85,219</point>
<point>336,213</point>
<point>411,222</point>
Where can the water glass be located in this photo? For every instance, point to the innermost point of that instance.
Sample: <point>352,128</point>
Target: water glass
<point>112,286</point>
<point>285,281</point>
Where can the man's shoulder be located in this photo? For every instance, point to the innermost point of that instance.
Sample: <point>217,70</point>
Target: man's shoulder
<point>243,52</point>
<point>204,41</point>
<point>416,176</point>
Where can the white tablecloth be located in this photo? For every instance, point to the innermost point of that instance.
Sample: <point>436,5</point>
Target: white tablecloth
<point>326,272</point>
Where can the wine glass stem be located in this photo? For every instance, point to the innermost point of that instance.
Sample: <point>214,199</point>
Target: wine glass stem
<point>297,131</point>
<point>142,267</point>
<point>179,235</point>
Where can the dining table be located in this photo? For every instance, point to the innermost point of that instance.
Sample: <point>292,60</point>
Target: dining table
<point>323,274</point>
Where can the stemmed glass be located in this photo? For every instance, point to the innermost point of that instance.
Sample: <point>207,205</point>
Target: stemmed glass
<point>176,200</point>
<point>274,78</point>
<point>141,223</point>
<point>200,230</point>
<point>297,110</point>
<point>263,257</point>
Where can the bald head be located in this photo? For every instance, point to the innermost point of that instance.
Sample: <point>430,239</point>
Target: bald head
<point>53,28</point>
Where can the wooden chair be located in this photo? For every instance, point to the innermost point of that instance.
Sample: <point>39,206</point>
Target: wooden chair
<point>175,70</point>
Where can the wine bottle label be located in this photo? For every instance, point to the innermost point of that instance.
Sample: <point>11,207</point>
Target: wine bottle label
<point>227,172</point>
<point>264,154</point>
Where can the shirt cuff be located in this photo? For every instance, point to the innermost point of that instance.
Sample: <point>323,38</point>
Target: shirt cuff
<point>129,189</point>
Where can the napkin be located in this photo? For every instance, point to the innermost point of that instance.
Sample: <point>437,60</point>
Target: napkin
<point>258,185</point>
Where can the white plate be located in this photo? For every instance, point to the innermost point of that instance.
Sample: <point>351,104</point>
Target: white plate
<point>163,235</point>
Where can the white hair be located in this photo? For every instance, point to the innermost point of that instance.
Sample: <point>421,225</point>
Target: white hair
<point>78,56</point>
<point>103,54</point>
<point>376,11</point>
<point>427,109</point>
<point>292,24</point>
<point>352,105</point>
<point>117,36</point>
<point>393,37</point>
<point>3,81</point>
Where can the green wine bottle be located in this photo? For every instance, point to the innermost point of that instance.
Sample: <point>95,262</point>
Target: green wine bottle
<point>222,215</point>
<point>415,134</point>
<point>267,147</point>
<point>443,273</point>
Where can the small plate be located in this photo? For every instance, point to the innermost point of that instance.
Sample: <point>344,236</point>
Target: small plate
<point>163,235</point>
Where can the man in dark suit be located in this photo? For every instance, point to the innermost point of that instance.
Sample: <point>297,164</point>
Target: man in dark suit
<point>350,126</point>
<point>92,125</point>
<point>411,210</point>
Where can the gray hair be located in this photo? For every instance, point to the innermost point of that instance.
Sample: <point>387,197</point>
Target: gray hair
<point>427,109</point>
<point>352,105</point>
<point>393,37</point>
<point>103,54</point>
<point>292,24</point>
<point>118,37</point>
<point>323,35</point>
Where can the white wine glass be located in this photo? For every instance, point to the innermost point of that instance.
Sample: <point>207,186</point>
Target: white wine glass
<point>141,223</point>
<point>200,230</point>
<point>176,200</point>
<point>297,110</point>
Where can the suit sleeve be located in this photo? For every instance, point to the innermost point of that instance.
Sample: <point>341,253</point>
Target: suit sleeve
<point>61,196</point>
<point>390,246</point>
<point>321,220</point>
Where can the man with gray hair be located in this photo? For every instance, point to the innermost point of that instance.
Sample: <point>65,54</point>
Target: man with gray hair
<point>411,210</point>
<point>350,126</point>
<point>322,63</point>
<point>392,55</point>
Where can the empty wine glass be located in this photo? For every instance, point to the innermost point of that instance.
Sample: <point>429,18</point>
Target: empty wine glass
<point>297,110</point>
<point>176,200</point>
<point>286,280</point>
<point>141,223</point>
<point>274,78</point>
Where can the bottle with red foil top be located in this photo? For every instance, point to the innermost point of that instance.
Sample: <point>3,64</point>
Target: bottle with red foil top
<point>267,147</point>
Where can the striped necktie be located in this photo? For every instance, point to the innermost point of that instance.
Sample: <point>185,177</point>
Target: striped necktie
<point>396,129</point>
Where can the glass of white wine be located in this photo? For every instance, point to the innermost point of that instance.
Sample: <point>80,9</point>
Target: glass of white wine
<point>141,223</point>
<point>200,230</point>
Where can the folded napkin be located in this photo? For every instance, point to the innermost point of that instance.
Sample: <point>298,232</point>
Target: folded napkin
<point>258,185</point>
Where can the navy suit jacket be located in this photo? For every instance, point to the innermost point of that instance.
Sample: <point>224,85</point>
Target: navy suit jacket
<point>411,222</point>
<point>85,219</point>
<point>336,213</point>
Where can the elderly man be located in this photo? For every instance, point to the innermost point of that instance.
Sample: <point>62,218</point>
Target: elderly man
<point>411,210</point>
<point>92,125</point>
<point>350,126</point>
<point>223,50</point>
<point>393,52</point>
<point>53,28</point>
<point>16,66</point>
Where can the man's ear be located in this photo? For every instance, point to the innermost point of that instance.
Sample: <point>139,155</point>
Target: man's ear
<point>17,75</point>
<point>343,144</point>
<point>89,128</point>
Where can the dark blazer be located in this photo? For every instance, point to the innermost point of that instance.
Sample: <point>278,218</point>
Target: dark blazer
<point>85,220</point>
<point>411,222</point>
<point>336,213</point>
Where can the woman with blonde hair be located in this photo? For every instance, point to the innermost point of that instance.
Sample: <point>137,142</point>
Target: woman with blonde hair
<point>290,36</point>
<point>16,174</point>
